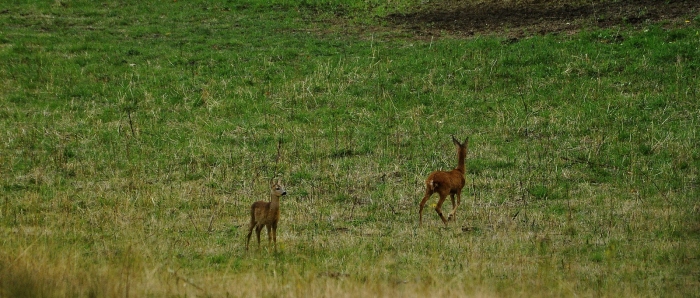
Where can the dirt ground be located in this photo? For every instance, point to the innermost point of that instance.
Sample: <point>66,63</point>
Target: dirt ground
<point>520,18</point>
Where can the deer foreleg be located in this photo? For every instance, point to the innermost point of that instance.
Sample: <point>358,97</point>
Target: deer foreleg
<point>438,208</point>
<point>269,234</point>
<point>453,213</point>
<point>274,235</point>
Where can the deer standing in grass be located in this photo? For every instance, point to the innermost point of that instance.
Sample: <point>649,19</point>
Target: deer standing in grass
<point>266,214</point>
<point>447,183</point>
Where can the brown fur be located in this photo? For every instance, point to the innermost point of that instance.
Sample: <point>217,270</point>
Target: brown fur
<point>447,183</point>
<point>266,214</point>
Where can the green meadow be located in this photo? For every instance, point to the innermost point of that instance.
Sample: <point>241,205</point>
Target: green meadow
<point>134,138</point>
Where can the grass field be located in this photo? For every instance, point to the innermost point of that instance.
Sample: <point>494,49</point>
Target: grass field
<point>134,137</point>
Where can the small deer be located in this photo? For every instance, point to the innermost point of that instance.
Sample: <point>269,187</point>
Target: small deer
<point>266,214</point>
<point>447,183</point>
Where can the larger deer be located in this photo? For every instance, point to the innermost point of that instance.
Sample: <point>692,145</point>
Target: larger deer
<point>266,214</point>
<point>447,183</point>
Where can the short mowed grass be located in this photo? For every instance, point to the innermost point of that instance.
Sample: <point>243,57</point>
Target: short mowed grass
<point>134,138</point>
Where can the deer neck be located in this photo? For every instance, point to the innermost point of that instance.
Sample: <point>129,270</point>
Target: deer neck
<point>274,202</point>
<point>461,155</point>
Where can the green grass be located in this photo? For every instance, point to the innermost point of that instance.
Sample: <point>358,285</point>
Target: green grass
<point>134,137</point>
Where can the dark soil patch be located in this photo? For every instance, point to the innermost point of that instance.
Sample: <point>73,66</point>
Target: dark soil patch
<point>519,18</point>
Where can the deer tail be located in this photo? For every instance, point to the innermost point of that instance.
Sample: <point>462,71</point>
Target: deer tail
<point>432,185</point>
<point>252,214</point>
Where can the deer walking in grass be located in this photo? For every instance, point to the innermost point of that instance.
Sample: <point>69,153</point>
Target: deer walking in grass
<point>266,214</point>
<point>447,183</point>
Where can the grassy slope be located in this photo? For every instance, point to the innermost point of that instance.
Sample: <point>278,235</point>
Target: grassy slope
<point>135,137</point>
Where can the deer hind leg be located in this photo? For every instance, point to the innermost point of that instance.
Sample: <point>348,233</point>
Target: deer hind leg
<point>258,228</point>
<point>422,204</point>
<point>438,208</point>
<point>250,232</point>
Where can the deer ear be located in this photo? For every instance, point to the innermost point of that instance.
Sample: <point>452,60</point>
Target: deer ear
<point>454,140</point>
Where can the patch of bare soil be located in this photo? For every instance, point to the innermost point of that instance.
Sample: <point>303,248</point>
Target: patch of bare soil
<point>519,18</point>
